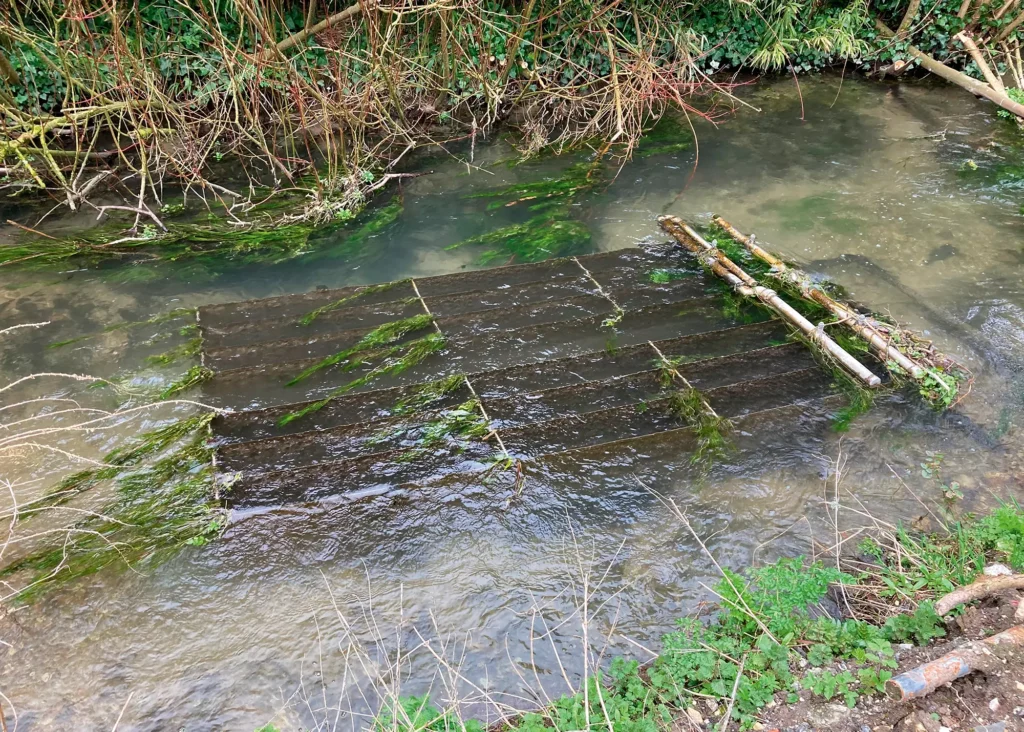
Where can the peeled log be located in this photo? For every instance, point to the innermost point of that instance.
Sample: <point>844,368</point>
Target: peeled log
<point>848,316</point>
<point>977,590</point>
<point>952,75</point>
<point>747,286</point>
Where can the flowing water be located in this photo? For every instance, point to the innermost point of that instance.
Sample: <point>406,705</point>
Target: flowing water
<point>900,193</point>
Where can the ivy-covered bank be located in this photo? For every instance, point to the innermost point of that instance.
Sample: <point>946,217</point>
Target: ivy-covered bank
<point>773,641</point>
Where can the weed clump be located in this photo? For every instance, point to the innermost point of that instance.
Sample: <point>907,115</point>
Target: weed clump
<point>711,430</point>
<point>551,232</point>
<point>165,498</point>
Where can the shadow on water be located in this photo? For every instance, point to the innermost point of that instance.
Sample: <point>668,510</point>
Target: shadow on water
<point>868,189</point>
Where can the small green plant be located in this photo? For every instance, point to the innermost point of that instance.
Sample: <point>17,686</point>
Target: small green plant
<point>428,394</point>
<point>1016,95</point>
<point>918,627</point>
<point>170,315</point>
<point>828,684</point>
<point>417,714</point>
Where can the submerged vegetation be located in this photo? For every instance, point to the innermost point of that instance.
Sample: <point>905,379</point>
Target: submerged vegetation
<point>311,316</point>
<point>453,427</point>
<point>210,246</point>
<point>382,347</point>
<point>164,497</point>
<point>378,343</point>
<point>551,231</point>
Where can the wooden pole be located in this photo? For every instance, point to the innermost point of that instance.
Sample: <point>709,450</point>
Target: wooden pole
<point>747,286</point>
<point>963,80</point>
<point>859,324</point>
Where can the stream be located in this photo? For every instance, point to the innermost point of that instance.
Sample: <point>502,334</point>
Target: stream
<point>905,195</point>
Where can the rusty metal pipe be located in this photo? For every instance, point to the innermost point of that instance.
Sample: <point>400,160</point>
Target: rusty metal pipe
<point>973,656</point>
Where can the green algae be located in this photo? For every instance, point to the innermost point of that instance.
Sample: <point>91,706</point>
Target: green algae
<point>309,317</point>
<point>665,275</point>
<point>378,342</point>
<point>186,350</point>
<point>164,498</point>
<point>454,426</point>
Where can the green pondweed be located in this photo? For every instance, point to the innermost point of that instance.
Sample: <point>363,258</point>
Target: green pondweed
<point>377,343</point>
<point>576,178</point>
<point>667,368</point>
<point>164,498</point>
<point>393,360</point>
<point>664,275</point>
<point>349,299</point>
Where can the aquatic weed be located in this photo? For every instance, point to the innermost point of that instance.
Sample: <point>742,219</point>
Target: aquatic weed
<point>189,380</point>
<point>309,317</point>
<point>429,393</point>
<point>372,344</point>
<point>165,498</point>
<point>711,430</point>
<point>394,361</point>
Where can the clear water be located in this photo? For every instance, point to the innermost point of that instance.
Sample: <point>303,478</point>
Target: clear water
<point>893,191</point>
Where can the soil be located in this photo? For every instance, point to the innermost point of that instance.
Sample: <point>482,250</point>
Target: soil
<point>986,702</point>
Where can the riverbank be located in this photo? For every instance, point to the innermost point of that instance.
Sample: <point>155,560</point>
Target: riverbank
<point>316,105</point>
<point>805,644</point>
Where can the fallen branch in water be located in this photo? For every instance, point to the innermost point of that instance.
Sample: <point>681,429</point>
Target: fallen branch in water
<point>748,287</point>
<point>952,75</point>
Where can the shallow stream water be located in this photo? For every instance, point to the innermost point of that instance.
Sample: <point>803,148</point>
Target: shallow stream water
<point>901,194</point>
